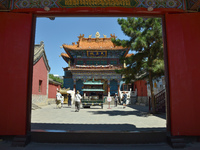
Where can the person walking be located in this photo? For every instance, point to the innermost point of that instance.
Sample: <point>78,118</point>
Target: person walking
<point>69,99</point>
<point>124,99</point>
<point>119,100</point>
<point>62,101</point>
<point>115,99</point>
<point>77,101</point>
<point>58,99</point>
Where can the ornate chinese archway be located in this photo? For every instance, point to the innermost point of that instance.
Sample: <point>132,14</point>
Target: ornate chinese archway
<point>13,32</point>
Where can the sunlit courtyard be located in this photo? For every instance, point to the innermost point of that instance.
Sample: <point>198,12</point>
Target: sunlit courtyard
<point>132,118</point>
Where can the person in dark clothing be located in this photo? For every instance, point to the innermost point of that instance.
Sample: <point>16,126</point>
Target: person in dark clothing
<point>124,99</point>
<point>115,99</point>
<point>69,99</point>
<point>119,101</point>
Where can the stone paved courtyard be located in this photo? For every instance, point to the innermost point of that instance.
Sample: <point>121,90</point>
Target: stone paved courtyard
<point>132,118</point>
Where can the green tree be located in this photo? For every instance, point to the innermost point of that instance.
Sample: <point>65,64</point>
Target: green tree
<point>146,41</point>
<point>51,76</point>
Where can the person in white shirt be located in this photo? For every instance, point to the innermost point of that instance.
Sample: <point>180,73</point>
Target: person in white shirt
<point>62,101</point>
<point>58,99</point>
<point>77,101</point>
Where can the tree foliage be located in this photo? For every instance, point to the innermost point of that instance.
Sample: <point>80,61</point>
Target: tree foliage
<point>51,76</point>
<point>146,42</point>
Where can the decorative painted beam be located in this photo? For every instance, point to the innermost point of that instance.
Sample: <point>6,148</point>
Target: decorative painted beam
<point>2,7</point>
<point>21,4</point>
<point>196,5</point>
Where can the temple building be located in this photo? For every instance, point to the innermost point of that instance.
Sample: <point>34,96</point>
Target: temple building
<point>41,69</point>
<point>93,58</point>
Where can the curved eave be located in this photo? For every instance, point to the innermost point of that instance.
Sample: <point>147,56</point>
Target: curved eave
<point>65,58</point>
<point>126,52</point>
<point>129,55</point>
<point>66,50</point>
<point>75,48</point>
<point>65,55</point>
<point>42,54</point>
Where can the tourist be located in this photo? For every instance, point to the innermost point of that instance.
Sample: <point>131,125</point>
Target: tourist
<point>119,101</point>
<point>58,99</point>
<point>115,99</point>
<point>62,101</point>
<point>77,101</point>
<point>69,99</point>
<point>124,99</point>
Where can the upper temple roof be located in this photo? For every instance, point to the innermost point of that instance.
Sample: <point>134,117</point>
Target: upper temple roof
<point>93,43</point>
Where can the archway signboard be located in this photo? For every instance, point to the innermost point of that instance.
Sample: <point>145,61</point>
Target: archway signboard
<point>181,28</point>
<point>17,4</point>
<point>101,7</point>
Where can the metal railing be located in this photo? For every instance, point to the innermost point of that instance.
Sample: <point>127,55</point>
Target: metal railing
<point>159,102</point>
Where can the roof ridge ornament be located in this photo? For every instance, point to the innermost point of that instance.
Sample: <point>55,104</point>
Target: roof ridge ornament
<point>42,43</point>
<point>113,36</point>
<point>81,36</point>
<point>97,35</point>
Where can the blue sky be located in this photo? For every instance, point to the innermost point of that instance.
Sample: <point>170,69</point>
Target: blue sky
<point>66,30</point>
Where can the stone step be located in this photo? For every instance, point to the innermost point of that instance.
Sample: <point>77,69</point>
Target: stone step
<point>177,142</point>
<point>34,106</point>
<point>21,140</point>
<point>99,137</point>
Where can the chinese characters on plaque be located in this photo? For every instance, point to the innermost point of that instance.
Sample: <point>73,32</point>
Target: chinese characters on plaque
<point>96,53</point>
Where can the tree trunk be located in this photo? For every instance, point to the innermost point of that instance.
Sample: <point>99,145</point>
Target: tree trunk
<point>152,94</point>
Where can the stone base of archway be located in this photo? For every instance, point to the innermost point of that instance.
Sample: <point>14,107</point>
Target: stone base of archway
<point>99,137</point>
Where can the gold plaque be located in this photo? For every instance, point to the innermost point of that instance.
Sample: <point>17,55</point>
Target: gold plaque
<point>97,53</point>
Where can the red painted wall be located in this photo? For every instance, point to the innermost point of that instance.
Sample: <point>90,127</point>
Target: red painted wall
<point>53,90</point>
<point>183,39</point>
<point>15,39</point>
<point>141,86</point>
<point>39,73</point>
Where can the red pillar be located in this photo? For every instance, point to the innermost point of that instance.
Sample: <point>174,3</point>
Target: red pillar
<point>183,38</point>
<point>15,41</point>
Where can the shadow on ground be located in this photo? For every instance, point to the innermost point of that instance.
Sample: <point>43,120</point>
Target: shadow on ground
<point>89,127</point>
<point>146,109</point>
<point>141,111</point>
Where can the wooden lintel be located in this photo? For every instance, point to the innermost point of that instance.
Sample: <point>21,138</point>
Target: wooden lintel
<point>196,5</point>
